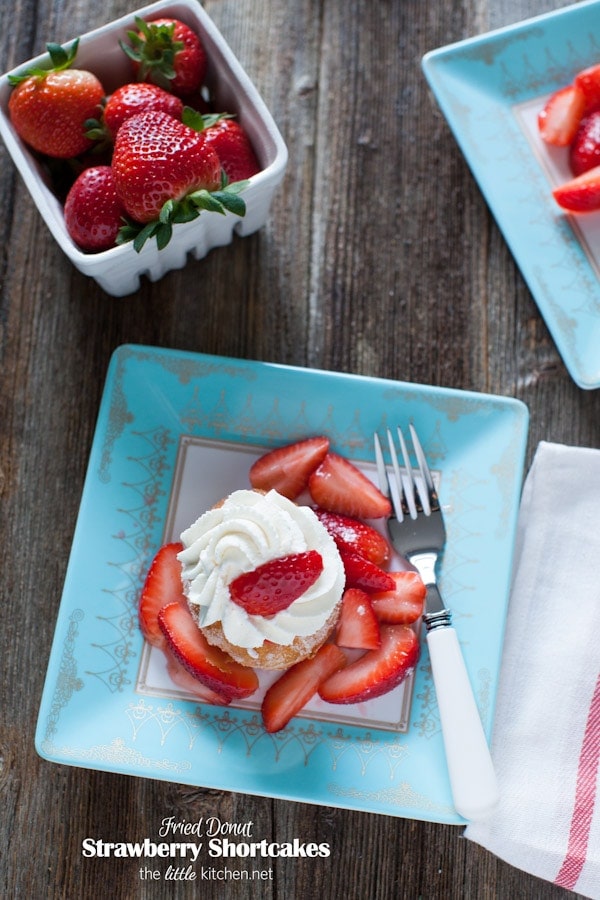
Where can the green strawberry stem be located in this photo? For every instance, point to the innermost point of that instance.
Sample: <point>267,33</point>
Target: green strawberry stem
<point>96,130</point>
<point>200,121</point>
<point>59,57</point>
<point>153,49</point>
<point>176,212</point>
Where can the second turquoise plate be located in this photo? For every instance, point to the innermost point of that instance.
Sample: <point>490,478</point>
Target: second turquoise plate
<point>490,89</point>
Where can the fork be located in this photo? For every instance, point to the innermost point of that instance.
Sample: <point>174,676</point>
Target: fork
<point>417,531</point>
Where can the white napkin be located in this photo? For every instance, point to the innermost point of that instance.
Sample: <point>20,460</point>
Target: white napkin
<point>546,740</point>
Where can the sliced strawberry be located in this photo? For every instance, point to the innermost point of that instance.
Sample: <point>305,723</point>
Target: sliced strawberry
<point>184,679</point>
<point>580,194</point>
<point>377,671</point>
<point>338,486</point>
<point>358,627</point>
<point>362,573</point>
<point>559,120</point>
<point>584,152</point>
<point>588,82</point>
<point>292,691</point>
<point>162,586</point>
<point>287,469</point>
<point>358,536</point>
<point>277,583</point>
<point>209,664</point>
<point>404,604</point>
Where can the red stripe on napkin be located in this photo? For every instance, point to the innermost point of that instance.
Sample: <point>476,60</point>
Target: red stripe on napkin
<point>585,796</point>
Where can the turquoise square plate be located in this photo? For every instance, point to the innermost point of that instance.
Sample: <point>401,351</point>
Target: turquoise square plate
<point>97,710</point>
<point>489,89</point>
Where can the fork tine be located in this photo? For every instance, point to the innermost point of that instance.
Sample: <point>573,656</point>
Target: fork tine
<point>432,497</point>
<point>397,487</point>
<point>417,482</point>
<point>381,470</point>
<point>404,479</point>
<point>387,485</point>
<point>411,492</point>
<point>410,495</point>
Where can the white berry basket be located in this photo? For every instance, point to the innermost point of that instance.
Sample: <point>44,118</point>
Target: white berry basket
<point>119,270</point>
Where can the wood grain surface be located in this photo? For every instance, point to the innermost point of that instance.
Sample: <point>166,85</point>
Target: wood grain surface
<point>380,257</point>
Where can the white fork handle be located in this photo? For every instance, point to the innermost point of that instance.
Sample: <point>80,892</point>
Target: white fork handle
<point>472,776</point>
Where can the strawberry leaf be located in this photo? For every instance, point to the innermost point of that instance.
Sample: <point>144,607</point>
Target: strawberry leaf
<point>166,213</point>
<point>144,235</point>
<point>199,121</point>
<point>59,57</point>
<point>128,231</point>
<point>163,234</point>
<point>94,130</point>
<point>177,212</point>
<point>153,49</point>
<point>230,202</point>
<point>236,187</point>
<point>204,199</point>
<point>193,119</point>
<point>184,212</point>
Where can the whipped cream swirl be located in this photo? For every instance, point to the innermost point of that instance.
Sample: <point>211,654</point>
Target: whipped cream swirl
<point>245,531</point>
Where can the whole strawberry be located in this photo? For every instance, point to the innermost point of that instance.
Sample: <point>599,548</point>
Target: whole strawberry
<point>156,159</point>
<point>136,97</point>
<point>49,107</point>
<point>167,52</point>
<point>233,147</point>
<point>93,210</point>
<point>165,173</point>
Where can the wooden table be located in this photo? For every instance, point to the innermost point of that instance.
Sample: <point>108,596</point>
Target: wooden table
<point>380,257</point>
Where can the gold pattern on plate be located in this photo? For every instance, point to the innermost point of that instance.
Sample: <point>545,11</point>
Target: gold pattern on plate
<point>68,680</point>
<point>118,753</point>
<point>402,795</point>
